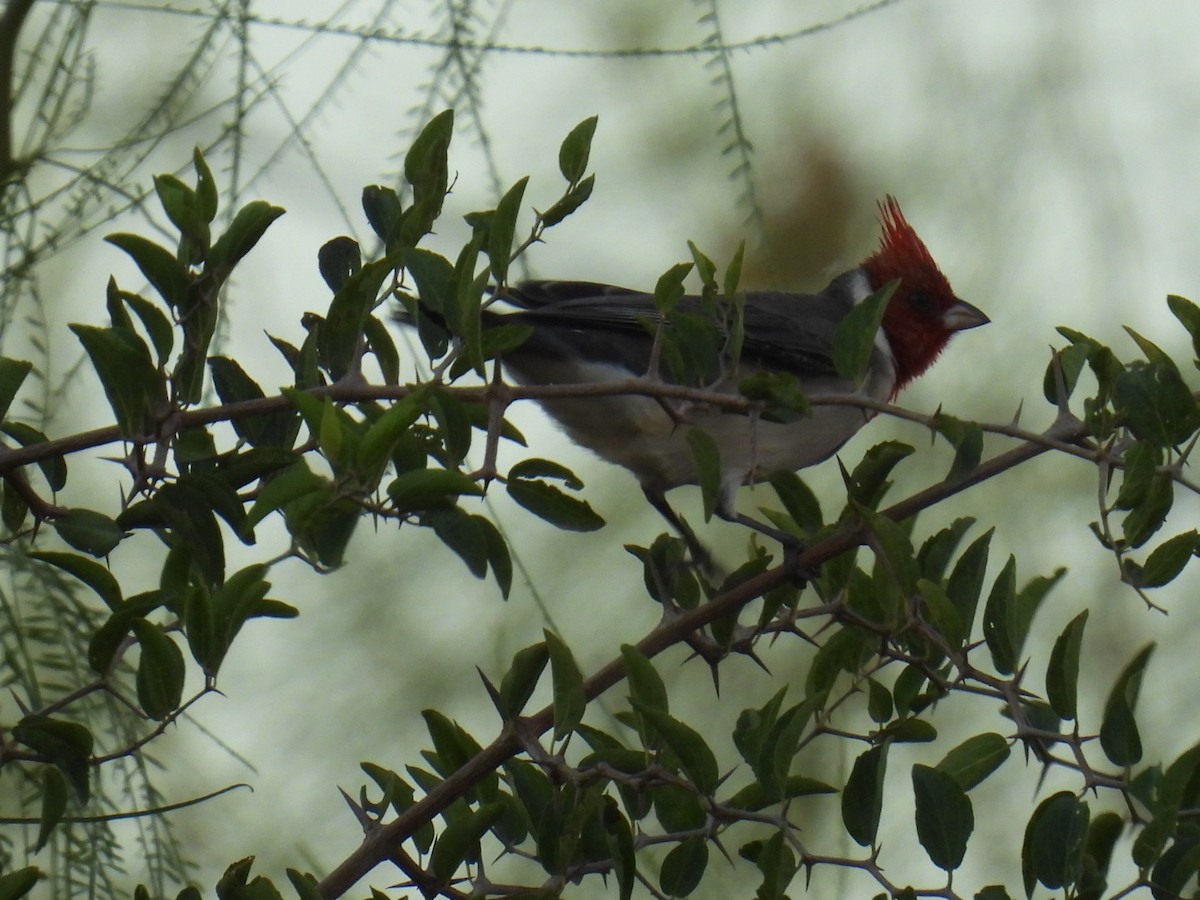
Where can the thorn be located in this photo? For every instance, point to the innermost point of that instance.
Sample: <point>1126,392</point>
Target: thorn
<point>365,821</point>
<point>493,694</point>
<point>1016,419</point>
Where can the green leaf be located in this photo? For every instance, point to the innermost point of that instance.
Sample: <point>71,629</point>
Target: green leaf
<point>184,209</point>
<point>1118,730</point>
<point>54,805</point>
<point>975,759</point>
<point>338,260</point>
<point>130,379</point>
<point>382,207</point>
<point>381,437</point>
<point>90,572</point>
<point>574,151</point>
<point>233,385</point>
<point>549,503</point>
<point>862,799</point>
<point>88,531</point>
<point>1147,516</point>
<point>569,202</point>
<point>248,226</point>
<point>428,488</point>
<point>235,884</point>
<point>944,816</point>
<point>967,440</point>
<point>799,501</point>
<point>1009,614</point>
<point>1062,672</point>
<point>707,458</point>
<point>158,327</point>
<point>206,186</point>
<point>160,671</point>
<point>19,882</point>
<point>459,841</point>
<point>1156,403</point>
<point>775,860</point>
<point>341,336</point>
<point>12,375</point>
<point>54,469</point>
<point>68,745</point>
<point>1167,560</point>
<point>293,483</point>
<point>1054,841</point>
<point>683,867</point>
<point>966,580</point>
<point>166,274</point>
<point>426,168</point>
<point>646,686</point>
<point>501,229</point>
<point>569,701</point>
<point>869,481</point>
<point>545,468</point>
<point>697,760</point>
<point>519,682</point>
<point>854,339</point>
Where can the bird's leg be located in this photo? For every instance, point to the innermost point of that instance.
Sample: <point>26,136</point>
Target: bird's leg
<point>700,555</point>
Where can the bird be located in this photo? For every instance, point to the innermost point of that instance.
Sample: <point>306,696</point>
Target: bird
<point>586,333</point>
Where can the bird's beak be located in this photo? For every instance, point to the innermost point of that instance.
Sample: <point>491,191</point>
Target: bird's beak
<point>962,315</point>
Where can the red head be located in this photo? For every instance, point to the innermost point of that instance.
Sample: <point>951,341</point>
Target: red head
<point>924,312</point>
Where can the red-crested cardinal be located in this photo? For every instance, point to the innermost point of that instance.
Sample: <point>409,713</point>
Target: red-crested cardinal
<point>584,333</point>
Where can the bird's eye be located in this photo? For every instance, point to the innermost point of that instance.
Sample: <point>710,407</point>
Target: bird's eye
<point>920,302</point>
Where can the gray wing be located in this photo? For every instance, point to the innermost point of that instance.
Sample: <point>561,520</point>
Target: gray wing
<point>605,323</point>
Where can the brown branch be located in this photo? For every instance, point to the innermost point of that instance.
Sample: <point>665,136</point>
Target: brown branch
<point>380,845</point>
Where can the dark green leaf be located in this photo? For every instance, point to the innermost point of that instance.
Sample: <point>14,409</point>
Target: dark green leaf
<point>683,867</point>
<point>160,671</point>
<point>1150,511</point>
<point>54,469</point>
<point>548,502</point>
<point>975,759</point>
<point>502,228</point>
<point>427,169</point>
<point>462,533</point>
<point>54,804</point>
<point>382,207</point>
<point>697,760</point>
<point>1167,560</point>
<point>1156,403</point>
<point>1118,731</point>
<point>944,816</point>
<point>165,273</point>
<point>519,682</point>
<point>459,841</point>
<point>569,701</point>
<point>12,375</point>
<point>184,209</point>
<point>966,581</point>
<point>428,488</point>
<point>799,501</point>
<point>854,339</point>
<point>338,260</point>
<point>862,799</point>
<point>967,440</point>
<point>646,686</point>
<point>569,202</point>
<point>707,458</point>
<point>869,481</point>
<point>248,226</point>
<point>545,468</point>
<point>574,151</point>
<point>90,572</point>
<point>18,882</point>
<point>1062,672</point>
<point>341,337</point>
<point>88,531</point>
<point>130,379</point>
<point>68,745</point>
<point>1054,840</point>
<point>206,186</point>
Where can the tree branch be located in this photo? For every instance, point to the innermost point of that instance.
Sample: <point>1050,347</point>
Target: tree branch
<point>380,845</point>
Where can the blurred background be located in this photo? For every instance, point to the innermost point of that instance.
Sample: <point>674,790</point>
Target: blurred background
<point>1045,152</point>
